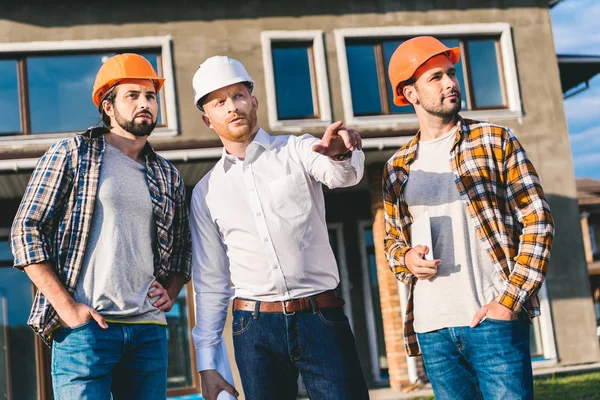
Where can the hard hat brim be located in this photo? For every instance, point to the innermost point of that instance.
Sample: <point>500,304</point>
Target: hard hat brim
<point>97,97</point>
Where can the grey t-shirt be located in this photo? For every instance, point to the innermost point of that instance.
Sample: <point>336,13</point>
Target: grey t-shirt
<point>118,265</point>
<point>466,278</point>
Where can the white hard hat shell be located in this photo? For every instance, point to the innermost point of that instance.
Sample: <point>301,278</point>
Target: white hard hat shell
<point>216,73</point>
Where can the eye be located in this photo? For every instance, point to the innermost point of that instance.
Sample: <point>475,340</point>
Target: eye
<point>132,95</point>
<point>452,74</point>
<point>237,96</point>
<point>151,97</point>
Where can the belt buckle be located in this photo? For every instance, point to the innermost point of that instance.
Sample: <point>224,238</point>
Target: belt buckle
<point>284,310</point>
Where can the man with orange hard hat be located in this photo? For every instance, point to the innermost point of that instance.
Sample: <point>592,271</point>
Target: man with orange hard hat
<point>473,288</point>
<point>102,232</point>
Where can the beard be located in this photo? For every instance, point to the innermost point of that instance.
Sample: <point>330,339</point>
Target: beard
<point>139,129</point>
<point>242,133</point>
<point>442,110</point>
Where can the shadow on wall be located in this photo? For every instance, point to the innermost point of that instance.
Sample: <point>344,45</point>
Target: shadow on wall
<point>568,276</point>
<point>119,12</point>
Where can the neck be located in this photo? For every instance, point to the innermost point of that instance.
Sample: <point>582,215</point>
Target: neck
<point>236,148</point>
<point>433,127</point>
<point>130,145</point>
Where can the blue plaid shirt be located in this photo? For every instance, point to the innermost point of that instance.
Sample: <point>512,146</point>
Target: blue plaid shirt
<point>55,216</point>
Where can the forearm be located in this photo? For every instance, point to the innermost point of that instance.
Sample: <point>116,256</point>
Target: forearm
<point>45,279</point>
<point>174,284</point>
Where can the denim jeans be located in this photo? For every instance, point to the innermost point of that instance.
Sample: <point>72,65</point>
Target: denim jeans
<point>129,361</point>
<point>272,348</point>
<point>490,361</point>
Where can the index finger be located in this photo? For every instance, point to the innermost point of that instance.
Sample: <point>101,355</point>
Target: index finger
<point>333,128</point>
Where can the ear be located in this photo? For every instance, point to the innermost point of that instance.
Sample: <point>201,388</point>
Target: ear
<point>410,93</point>
<point>206,120</point>
<point>109,108</point>
<point>255,102</point>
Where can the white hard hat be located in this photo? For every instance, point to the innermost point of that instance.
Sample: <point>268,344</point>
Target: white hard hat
<point>216,73</point>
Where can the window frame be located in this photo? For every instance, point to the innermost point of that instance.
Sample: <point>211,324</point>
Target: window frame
<point>506,61</point>
<point>320,80</point>
<point>25,49</point>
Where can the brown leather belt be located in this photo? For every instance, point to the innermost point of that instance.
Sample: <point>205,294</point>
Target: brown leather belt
<point>322,300</point>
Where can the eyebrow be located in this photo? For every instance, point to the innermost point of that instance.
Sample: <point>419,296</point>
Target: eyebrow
<point>139,91</point>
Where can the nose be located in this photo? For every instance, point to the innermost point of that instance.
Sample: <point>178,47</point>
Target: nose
<point>143,102</point>
<point>231,105</point>
<point>449,82</point>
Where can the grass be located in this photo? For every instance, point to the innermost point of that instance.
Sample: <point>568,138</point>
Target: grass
<point>564,387</point>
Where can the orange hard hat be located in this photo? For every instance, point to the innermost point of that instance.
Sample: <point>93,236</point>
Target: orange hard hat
<point>409,56</point>
<point>123,66</point>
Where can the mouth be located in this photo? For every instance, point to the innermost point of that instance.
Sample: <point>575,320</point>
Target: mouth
<point>452,96</point>
<point>236,120</point>
<point>144,115</point>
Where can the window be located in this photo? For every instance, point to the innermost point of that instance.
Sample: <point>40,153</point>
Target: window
<point>18,367</point>
<point>46,86</point>
<point>182,377</point>
<point>486,71</point>
<point>296,80</point>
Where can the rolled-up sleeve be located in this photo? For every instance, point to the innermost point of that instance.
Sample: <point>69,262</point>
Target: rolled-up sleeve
<point>50,182</point>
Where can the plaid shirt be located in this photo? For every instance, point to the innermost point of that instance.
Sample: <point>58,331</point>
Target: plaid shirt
<point>55,216</point>
<point>501,191</point>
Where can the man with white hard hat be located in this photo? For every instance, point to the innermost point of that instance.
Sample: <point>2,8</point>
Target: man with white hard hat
<point>258,221</point>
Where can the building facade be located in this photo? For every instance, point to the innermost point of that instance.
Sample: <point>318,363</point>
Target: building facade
<point>313,63</point>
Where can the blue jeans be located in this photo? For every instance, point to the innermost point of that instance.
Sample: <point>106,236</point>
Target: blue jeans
<point>272,348</point>
<point>129,361</point>
<point>490,361</point>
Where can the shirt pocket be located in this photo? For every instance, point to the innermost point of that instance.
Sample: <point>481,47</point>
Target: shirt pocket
<point>290,195</point>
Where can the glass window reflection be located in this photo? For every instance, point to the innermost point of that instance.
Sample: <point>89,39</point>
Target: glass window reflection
<point>179,373</point>
<point>293,83</point>
<point>60,90</point>
<point>364,85</point>
<point>18,378</point>
<point>485,74</point>
<point>9,97</point>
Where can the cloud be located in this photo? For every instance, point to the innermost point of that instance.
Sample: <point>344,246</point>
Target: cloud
<point>582,14</point>
<point>575,29</point>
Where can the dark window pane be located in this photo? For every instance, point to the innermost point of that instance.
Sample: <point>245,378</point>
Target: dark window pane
<point>9,97</point>
<point>293,85</point>
<point>60,91</point>
<point>459,71</point>
<point>483,64</point>
<point>17,340</point>
<point>179,372</point>
<point>389,47</point>
<point>364,86</point>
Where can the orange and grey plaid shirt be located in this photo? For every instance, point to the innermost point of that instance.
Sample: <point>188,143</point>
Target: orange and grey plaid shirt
<point>505,201</point>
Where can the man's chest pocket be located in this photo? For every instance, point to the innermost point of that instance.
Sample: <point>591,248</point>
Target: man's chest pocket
<point>290,196</point>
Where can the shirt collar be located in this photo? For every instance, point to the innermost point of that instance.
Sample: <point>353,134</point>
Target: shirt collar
<point>262,138</point>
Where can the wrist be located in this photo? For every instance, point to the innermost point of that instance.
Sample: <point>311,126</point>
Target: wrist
<point>342,157</point>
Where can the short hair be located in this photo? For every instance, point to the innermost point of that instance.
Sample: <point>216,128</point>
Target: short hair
<point>110,96</point>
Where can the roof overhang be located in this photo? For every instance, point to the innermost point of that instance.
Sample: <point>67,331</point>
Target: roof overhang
<point>576,72</point>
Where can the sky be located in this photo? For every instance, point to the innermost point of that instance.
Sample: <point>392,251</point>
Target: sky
<point>575,27</point>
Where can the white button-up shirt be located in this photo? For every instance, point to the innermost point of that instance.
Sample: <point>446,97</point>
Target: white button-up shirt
<point>259,223</point>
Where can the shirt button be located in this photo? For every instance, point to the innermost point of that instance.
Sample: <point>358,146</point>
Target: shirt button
<point>258,214</point>
<point>274,266</point>
<point>266,240</point>
<point>251,190</point>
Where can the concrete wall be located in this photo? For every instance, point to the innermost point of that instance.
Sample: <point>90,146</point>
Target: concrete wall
<point>200,30</point>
